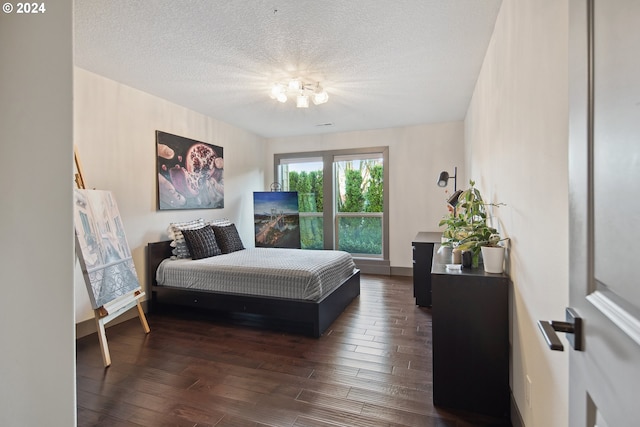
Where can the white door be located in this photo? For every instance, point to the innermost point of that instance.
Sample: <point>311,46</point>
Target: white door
<point>604,158</point>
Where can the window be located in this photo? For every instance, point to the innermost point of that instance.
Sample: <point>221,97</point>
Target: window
<point>305,175</point>
<point>359,203</point>
<point>342,197</point>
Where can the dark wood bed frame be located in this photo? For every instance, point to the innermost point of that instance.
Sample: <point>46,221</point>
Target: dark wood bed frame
<point>318,315</point>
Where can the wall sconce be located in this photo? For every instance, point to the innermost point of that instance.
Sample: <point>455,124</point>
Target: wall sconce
<point>443,180</point>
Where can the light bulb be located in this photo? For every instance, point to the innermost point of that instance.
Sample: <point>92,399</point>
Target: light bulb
<point>320,97</point>
<point>295,84</point>
<point>302,101</point>
<point>276,90</point>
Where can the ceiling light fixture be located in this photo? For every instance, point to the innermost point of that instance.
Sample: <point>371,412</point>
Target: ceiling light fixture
<point>301,90</point>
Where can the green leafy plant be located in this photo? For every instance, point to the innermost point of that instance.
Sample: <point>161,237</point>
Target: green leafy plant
<point>466,225</point>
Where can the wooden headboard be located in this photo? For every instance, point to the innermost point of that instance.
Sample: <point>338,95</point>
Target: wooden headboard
<point>156,252</point>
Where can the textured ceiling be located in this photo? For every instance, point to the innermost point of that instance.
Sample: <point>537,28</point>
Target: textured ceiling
<point>383,63</point>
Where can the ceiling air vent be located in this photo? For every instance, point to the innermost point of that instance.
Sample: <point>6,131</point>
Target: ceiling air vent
<point>322,125</point>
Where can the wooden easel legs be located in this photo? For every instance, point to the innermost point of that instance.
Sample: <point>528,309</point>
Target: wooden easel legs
<point>102,337</point>
<point>103,316</point>
<point>143,318</point>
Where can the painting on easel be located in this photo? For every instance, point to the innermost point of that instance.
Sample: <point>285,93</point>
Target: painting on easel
<point>103,251</point>
<point>276,219</point>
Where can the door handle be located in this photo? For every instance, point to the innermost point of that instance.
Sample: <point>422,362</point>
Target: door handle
<point>572,326</point>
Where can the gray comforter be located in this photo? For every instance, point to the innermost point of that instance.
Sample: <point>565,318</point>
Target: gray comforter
<point>282,273</point>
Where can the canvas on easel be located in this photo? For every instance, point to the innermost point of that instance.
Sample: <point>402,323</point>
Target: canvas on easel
<point>276,219</point>
<point>106,261</point>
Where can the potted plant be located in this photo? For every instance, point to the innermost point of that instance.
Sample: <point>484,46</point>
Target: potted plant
<point>493,258</point>
<point>488,243</point>
<point>466,228</point>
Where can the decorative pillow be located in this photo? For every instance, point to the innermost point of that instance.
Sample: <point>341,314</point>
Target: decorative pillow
<point>180,249</point>
<point>201,242</point>
<point>228,238</point>
<point>218,222</point>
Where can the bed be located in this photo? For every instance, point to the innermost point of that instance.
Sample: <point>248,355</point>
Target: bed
<point>313,307</point>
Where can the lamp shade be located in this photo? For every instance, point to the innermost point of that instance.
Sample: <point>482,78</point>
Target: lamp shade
<point>302,101</point>
<point>320,97</point>
<point>295,84</point>
<point>277,90</point>
<point>453,200</point>
<point>443,179</point>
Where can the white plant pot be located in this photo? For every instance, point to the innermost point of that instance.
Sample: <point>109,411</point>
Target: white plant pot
<point>493,258</point>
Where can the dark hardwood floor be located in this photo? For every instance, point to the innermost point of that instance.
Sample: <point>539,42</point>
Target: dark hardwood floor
<point>371,368</point>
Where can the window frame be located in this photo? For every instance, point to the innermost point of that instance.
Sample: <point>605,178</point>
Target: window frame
<point>375,265</point>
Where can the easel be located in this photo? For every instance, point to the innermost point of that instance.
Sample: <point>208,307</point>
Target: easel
<point>78,175</point>
<point>111,310</point>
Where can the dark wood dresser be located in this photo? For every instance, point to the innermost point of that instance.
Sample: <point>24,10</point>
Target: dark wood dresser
<point>470,338</point>
<point>423,245</point>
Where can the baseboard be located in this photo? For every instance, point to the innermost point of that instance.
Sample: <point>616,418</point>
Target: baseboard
<point>402,271</point>
<point>373,266</point>
<point>516,418</point>
<point>88,327</point>
<point>382,267</point>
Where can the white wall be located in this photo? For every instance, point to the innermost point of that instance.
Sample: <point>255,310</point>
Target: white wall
<point>516,133</point>
<point>114,128</point>
<point>417,155</point>
<point>37,371</point>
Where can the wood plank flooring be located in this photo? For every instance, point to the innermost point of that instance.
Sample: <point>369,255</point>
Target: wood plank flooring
<point>371,368</point>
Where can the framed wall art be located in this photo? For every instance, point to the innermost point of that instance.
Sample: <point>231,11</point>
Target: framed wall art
<point>190,173</point>
<point>276,219</point>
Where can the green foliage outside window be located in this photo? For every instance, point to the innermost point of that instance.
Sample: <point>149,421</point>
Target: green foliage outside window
<point>353,194</point>
<point>362,192</point>
<point>362,235</point>
<point>309,188</point>
<point>315,179</point>
<point>311,236</point>
<point>373,197</point>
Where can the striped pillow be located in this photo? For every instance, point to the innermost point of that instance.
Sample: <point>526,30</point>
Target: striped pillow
<point>218,222</point>
<point>180,249</point>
